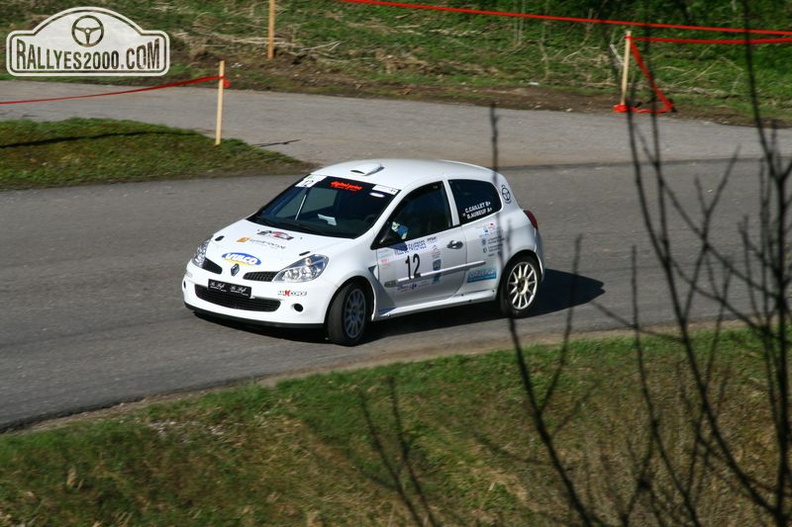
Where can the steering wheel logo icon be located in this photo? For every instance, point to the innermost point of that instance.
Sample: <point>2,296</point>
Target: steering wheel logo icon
<point>87,31</point>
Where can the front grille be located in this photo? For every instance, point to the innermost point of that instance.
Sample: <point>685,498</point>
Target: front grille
<point>260,276</point>
<point>209,265</point>
<point>236,301</point>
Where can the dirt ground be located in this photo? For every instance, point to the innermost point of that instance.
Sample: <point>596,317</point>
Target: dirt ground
<point>283,75</point>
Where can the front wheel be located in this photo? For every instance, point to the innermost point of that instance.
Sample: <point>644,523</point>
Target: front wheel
<point>519,287</point>
<point>348,315</point>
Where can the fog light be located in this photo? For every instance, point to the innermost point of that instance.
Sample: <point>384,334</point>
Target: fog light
<point>298,308</point>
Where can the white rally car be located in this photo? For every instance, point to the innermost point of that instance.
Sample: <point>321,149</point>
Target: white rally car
<point>367,240</point>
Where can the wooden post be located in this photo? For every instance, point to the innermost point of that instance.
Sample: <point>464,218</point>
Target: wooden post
<point>271,31</point>
<point>625,68</point>
<point>220,86</point>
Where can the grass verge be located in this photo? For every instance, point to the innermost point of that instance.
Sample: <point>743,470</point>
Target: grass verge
<point>335,47</point>
<point>92,151</point>
<point>317,451</point>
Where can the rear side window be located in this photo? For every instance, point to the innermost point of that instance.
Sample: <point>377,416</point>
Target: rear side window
<point>474,199</point>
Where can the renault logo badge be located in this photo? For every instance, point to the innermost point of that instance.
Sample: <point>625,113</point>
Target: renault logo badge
<point>234,270</point>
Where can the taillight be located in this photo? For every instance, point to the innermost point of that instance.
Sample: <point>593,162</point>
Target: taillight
<point>533,219</point>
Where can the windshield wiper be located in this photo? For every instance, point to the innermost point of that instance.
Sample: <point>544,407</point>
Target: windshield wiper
<point>261,220</point>
<point>297,225</point>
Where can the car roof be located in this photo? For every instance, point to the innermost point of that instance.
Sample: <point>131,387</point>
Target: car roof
<point>402,173</point>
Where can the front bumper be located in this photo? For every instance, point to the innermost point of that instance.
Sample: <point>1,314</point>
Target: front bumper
<point>273,303</point>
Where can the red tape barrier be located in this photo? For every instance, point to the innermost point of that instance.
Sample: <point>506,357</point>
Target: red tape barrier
<point>567,19</point>
<point>226,84</point>
<point>667,104</point>
<point>750,41</point>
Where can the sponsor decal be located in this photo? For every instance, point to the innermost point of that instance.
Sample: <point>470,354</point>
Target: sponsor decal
<point>310,181</point>
<point>506,193</point>
<point>480,209</point>
<point>495,244</point>
<point>246,239</point>
<point>411,246</point>
<point>412,286</point>
<point>241,258</point>
<point>387,190</point>
<point>490,227</point>
<point>292,292</point>
<point>241,290</point>
<point>437,264</point>
<point>340,185</point>
<point>491,239</point>
<point>479,275</point>
<point>276,234</point>
<point>87,41</point>
<point>232,289</point>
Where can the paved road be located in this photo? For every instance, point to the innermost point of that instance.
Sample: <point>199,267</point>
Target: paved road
<point>330,129</point>
<point>91,313</point>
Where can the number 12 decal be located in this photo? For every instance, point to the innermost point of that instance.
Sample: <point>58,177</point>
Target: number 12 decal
<point>412,268</point>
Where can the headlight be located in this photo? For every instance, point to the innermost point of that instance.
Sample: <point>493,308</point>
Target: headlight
<point>200,253</point>
<point>303,270</point>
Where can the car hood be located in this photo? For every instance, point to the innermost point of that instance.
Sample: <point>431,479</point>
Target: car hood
<point>258,247</point>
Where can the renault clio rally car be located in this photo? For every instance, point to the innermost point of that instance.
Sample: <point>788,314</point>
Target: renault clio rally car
<point>367,240</point>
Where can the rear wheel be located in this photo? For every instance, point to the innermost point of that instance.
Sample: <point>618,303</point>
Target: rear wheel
<point>348,315</point>
<point>519,286</point>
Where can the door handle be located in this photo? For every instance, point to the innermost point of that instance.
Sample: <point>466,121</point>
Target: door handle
<point>454,245</point>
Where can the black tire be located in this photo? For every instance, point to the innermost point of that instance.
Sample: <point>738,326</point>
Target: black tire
<point>519,287</point>
<point>348,315</point>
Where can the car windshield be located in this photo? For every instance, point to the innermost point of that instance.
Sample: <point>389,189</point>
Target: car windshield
<point>328,206</point>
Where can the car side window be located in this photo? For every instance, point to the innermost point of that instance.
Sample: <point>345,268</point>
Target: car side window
<point>474,199</point>
<point>423,212</point>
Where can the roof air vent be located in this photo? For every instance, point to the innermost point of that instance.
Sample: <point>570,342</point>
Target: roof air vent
<point>367,169</point>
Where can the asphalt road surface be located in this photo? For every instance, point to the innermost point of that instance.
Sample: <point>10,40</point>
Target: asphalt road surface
<point>90,301</point>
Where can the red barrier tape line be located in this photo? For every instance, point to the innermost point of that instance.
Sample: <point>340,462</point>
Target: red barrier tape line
<point>667,104</point>
<point>147,88</point>
<point>567,19</point>
<point>716,41</point>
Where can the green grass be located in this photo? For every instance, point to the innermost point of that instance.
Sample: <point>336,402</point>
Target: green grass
<point>305,453</point>
<point>91,151</point>
<point>334,47</point>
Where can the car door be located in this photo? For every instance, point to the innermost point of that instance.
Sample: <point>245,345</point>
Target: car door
<point>478,204</point>
<point>421,257</point>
